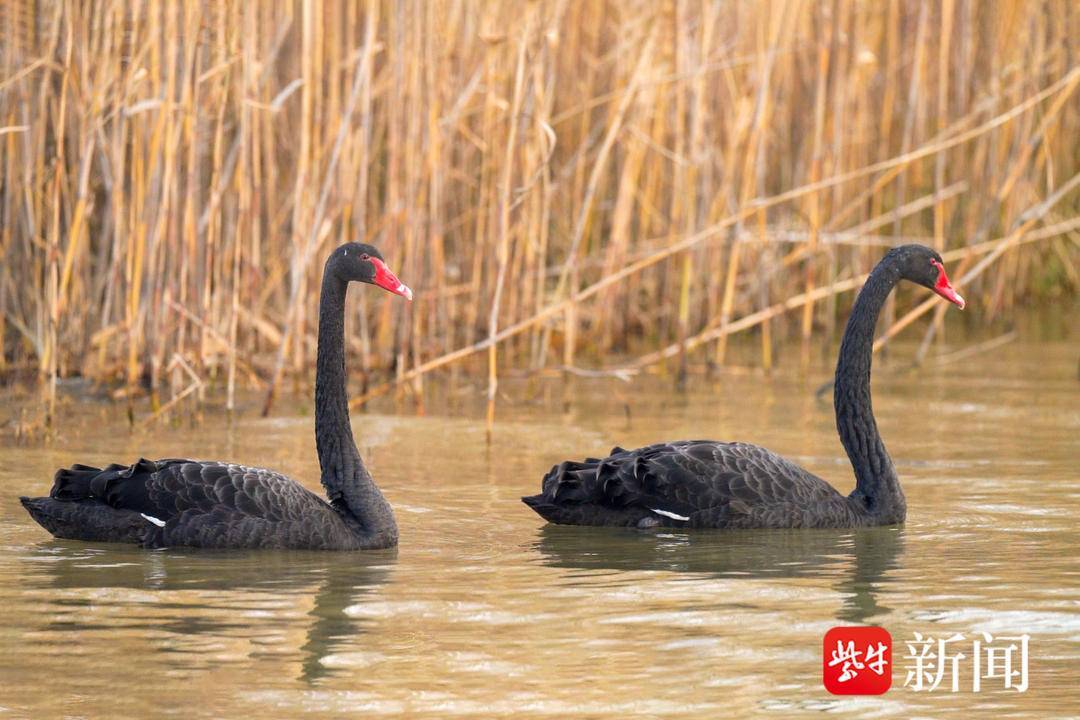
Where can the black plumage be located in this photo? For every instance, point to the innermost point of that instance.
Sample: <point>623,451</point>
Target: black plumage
<point>158,503</point>
<point>705,484</point>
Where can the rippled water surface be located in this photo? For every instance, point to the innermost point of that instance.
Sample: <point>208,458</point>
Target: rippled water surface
<point>484,610</point>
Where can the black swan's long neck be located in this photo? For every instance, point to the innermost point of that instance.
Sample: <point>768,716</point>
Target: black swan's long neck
<point>348,484</point>
<point>877,488</point>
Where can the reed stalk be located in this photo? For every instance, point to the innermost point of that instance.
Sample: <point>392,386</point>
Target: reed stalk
<point>563,184</point>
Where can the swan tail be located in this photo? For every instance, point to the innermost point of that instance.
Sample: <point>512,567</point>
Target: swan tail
<point>110,504</point>
<point>582,493</point>
<point>628,487</point>
<point>584,513</point>
<point>89,519</point>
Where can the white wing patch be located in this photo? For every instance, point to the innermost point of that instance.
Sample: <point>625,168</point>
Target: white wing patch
<point>665,513</point>
<point>151,518</point>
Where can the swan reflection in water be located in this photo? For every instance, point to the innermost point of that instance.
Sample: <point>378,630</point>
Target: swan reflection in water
<point>862,559</point>
<point>189,600</point>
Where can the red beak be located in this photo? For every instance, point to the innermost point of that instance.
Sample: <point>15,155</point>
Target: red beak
<point>388,280</point>
<point>944,289</point>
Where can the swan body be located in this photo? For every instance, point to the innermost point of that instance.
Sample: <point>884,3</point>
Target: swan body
<point>705,484</point>
<point>693,483</point>
<point>159,503</point>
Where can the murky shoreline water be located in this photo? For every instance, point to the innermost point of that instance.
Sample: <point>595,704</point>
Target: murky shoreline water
<point>484,610</point>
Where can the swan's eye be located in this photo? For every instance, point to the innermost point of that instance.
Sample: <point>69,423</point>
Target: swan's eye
<point>365,256</point>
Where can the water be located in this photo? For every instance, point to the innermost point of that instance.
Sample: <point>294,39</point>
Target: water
<point>484,610</point>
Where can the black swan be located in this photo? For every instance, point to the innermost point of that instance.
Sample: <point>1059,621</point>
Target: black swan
<point>698,483</point>
<point>160,503</point>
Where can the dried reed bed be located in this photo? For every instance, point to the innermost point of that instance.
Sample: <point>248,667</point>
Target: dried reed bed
<point>555,179</point>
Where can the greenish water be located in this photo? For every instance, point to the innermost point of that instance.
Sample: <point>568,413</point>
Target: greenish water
<point>484,611</point>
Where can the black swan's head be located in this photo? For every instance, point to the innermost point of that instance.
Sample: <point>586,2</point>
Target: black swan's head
<point>922,265</point>
<point>363,263</point>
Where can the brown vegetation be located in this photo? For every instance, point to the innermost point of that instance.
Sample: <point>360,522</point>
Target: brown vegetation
<point>553,178</point>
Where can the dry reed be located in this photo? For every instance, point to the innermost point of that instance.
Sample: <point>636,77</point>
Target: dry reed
<point>556,180</point>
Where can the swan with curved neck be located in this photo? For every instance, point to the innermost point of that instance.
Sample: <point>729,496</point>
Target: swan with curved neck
<point>158,503</point>
<point>699,483</point>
